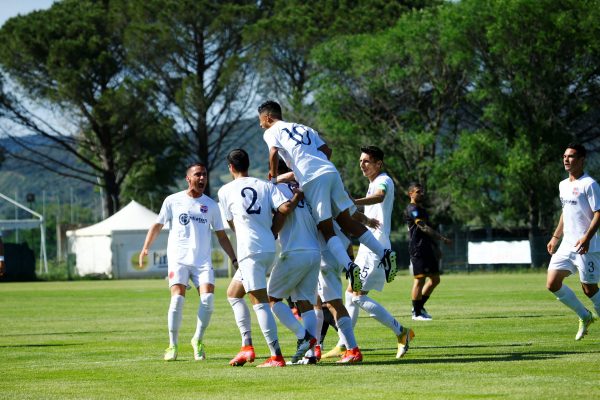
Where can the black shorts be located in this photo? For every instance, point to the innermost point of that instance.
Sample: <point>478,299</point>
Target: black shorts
<point>425,264</point>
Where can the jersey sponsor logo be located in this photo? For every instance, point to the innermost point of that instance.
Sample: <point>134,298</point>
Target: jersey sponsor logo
<point>203,208</point>
<point>185,219</point>
<point>568,201</point>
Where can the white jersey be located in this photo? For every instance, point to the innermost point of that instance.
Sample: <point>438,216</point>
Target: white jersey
<point>299,147</point>
<point>299,231</point>
<point>580,199</point>
<point>249,203</point>
<point>190,220</point>
<point>382,212</point>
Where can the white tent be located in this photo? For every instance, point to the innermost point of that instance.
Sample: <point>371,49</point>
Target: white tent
<point>112,246</point>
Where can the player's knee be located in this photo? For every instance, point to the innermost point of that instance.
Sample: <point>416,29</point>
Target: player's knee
<point>589,290</point>
<point>207,301</point>
<point>358,300</point>
<point>553,286</point>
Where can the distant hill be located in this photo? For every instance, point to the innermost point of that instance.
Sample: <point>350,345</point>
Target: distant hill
<point>18,178</point>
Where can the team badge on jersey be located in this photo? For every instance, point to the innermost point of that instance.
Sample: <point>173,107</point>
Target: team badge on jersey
<point>415,213</point>
<point>203,208</point>
<point>184,219</point>
<point>575,191</point>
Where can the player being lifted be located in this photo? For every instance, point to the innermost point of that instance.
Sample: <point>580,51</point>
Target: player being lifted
<point>307,155</point>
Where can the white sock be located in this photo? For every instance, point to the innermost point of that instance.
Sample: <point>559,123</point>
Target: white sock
<point>352,308</point>
<point>335,246</point>
<point>309,318</point>
<point>568,298</point>
<point>596,300</point>
<point>241,313</point>
<point>320,320</point>
<point>372,243</point>
<point>378,312</point>
<point>174,318</point>
<point>346,332</point>
<point>205,310</point>
<point>287,318</point>
<point>268,326</point>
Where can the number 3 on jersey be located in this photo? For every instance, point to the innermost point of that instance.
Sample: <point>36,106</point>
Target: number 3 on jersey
<point>253,197</point>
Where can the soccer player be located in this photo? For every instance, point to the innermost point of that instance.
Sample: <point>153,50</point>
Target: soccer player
<point>330,291</point>
<point>248,205</point>
<point>191,216</point>
<point>296,273</point>
<point>378,205</point>
<point>579,250</point>
<point>424,252</point>
<point>307,155</point>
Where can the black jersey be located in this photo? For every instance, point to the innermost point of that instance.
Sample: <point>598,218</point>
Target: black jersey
<point>419,241</point>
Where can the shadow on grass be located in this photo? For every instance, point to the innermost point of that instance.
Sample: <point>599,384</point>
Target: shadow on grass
<point>41,345</point>
<point>466,359</point>
<point>73,333</point>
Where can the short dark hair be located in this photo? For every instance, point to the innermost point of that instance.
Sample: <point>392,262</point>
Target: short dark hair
<point>239,159</point>
<point>413,185</point>
<point>195,164</point>
<point>578,147</point>
<point>272,108</point>
<point>373,151</point>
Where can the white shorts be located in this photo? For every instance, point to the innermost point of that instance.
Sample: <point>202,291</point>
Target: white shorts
<point>327,196</point>
<point>330,281</point>
<point>588,265</point>
<point>252,271</point>
<point>372,274</point>
<point>180,274</point>
<point>296,274</point>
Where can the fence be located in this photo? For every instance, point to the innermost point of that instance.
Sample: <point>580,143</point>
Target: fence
<point>456,256</point>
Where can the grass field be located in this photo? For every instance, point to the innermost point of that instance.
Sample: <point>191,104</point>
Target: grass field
<point>493,336</point>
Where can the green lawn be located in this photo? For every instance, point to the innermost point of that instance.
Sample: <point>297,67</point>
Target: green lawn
<point>493,336</point>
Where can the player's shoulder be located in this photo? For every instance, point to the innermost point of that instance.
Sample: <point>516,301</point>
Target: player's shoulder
<point>207,200</point>
<point>175,196</point>
<point>588,180</point>
<point>384,178</point>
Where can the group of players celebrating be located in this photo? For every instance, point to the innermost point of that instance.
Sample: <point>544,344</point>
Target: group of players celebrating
<point>305,206</point>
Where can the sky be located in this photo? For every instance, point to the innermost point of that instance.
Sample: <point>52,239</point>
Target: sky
<point>12,8</point>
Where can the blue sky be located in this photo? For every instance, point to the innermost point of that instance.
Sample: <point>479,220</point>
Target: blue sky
<point>11,8</point>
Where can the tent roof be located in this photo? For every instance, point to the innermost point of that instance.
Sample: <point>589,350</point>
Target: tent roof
<point>132,217</point>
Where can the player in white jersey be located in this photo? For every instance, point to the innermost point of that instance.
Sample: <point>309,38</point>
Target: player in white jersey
<point>191,216</point>
<point>248,205</point>
<point>308,156</point>
<point>296,274</point>
<point>330,291</point>
<point>378,205</point>
<point>579,250</point>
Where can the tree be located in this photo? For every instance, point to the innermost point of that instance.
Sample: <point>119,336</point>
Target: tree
<point>393,89</point>
<point>284,38</point>
<point>193,52</point>
<point>534,75</point>
<point>70,59</point>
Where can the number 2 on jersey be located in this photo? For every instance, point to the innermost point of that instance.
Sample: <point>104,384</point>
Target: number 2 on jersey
<point>254,197</point>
